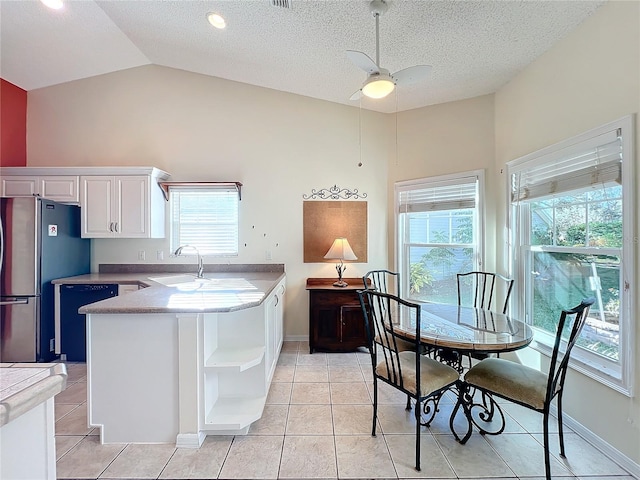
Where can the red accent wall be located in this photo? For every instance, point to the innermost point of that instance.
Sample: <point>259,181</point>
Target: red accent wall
<point>13,125</point>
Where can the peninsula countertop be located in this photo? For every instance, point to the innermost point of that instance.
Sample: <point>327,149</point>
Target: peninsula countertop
<point>25,385</point>
<point>217,292</point>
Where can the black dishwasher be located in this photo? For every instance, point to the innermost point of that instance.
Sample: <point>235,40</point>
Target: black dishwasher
<point>73,328</point>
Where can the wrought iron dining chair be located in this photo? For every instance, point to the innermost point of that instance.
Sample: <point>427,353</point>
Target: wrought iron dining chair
<point>420,377</point>
<point>386,281</point>
<point>529,387</point>
<point>478,289</point>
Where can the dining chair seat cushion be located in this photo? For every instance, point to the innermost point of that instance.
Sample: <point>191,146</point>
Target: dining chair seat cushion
<point>433,374</point>
<point>401,345</point>
<point>511,380</point>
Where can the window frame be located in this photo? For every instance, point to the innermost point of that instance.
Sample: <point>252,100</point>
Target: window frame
<point>618,377</point>
<point>401,256</point>
<point>227,189</point>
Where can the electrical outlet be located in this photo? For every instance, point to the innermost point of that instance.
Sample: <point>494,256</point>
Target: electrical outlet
<point>159,255</point>
<point>267,255</point>
<point>141,254</point>
<point>52,344</point>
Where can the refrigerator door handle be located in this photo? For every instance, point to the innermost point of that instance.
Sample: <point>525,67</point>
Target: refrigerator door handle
<point>15,301</point>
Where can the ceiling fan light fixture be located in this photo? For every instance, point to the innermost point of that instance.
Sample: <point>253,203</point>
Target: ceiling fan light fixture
<point>216,20</point>
<point>53,4</point>
<point>378,86</point>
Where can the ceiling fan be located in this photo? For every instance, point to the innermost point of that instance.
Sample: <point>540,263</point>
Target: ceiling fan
<point>380,82</point>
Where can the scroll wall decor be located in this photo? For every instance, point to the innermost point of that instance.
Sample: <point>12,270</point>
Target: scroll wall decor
<point>334,193</point>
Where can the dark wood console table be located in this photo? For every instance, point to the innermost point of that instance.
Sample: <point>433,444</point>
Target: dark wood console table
<point>336,323</point>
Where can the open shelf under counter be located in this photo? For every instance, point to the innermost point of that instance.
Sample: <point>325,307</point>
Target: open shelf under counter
<point>238,359</point>
<point>234,413</point>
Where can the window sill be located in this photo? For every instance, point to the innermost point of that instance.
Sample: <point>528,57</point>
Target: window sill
<point>611,378</point>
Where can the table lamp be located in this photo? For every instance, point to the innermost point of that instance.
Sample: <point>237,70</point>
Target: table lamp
<point>340,250</point>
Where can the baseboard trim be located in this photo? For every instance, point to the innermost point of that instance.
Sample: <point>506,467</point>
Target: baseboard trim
<point>190,440</point>
<point>296,338</point>
<point>613,453</point>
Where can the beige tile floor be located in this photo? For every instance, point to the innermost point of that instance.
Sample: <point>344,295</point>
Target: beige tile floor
<point>316,424</point>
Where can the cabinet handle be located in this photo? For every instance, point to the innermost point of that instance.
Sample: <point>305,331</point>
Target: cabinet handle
<point>111,226</point>
<point>116,226</point>
<point>277,301</point>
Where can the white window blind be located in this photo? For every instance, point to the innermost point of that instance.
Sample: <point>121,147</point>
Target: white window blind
<point>205,217</point>
<point>455,194</point>
<point>597,162</point>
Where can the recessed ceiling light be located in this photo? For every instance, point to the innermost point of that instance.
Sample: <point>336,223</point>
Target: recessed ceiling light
<point>216,20</point>
<point>53,4</point>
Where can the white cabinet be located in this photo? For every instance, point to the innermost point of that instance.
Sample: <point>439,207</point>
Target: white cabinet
<point>240,352</point>
<point>19,186</point>
<point>274,328</point>
<point>124,206</point>
<point>61,188</point>
<point>124,202</point>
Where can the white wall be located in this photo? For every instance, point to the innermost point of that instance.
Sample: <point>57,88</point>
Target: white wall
<point>280,146</point>
<point>588,79</point>
<point>447,138</point>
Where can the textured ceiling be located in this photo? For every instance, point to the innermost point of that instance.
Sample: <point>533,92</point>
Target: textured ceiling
<point>475,47</point>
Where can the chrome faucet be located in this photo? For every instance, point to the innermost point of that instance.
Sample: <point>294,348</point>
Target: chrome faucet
<point>178,252</point>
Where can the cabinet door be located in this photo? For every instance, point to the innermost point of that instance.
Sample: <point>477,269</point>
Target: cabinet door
<point>97,206</point>
<point>279,327</point>
<point>270,333</point>
<point>326,327</point>
<point>19,186</point>
<point>353,328</point>
<point>132,204</point>
<point>60,188</point>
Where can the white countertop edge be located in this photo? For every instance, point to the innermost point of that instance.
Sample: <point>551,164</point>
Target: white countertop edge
<point>19,403</point>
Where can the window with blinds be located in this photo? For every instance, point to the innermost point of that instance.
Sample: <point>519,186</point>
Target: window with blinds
<point>439,234</point>
<point>205,217</point>
<point>589,164</point>
<point>453,194</point>
<point>571,222</point>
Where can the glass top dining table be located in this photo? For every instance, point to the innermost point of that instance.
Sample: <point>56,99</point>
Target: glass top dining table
<point>465,329</point>
<point>451,333</point>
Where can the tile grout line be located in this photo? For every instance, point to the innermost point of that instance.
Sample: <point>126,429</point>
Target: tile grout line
<point>113,460</point>
<point>167,463</point>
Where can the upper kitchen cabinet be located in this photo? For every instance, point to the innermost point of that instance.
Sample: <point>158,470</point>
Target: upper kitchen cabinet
<point>116,202</point>
<point>123,206</point>
<point>61,188</point>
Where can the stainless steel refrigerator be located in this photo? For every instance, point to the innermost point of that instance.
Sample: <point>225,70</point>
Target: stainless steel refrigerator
<point>39,241</point>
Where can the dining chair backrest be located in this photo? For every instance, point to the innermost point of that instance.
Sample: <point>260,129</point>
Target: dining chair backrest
<point>382,312</point>
<point>480,289</point>
<point>569,327</point>
<point>384,281</point>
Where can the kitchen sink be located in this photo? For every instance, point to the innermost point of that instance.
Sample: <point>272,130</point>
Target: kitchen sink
<point>189,282</point>
<point>176,280</point>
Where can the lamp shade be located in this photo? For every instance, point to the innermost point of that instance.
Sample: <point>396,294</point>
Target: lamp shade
<point>341,250</point>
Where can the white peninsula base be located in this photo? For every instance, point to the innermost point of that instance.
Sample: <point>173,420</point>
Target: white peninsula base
<point>27,436</point>
<point>177,377</point>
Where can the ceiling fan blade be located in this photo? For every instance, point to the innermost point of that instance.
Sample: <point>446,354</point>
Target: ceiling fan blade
<point>410,75</point>
<point>356,95</point>
<point>363,61</point>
